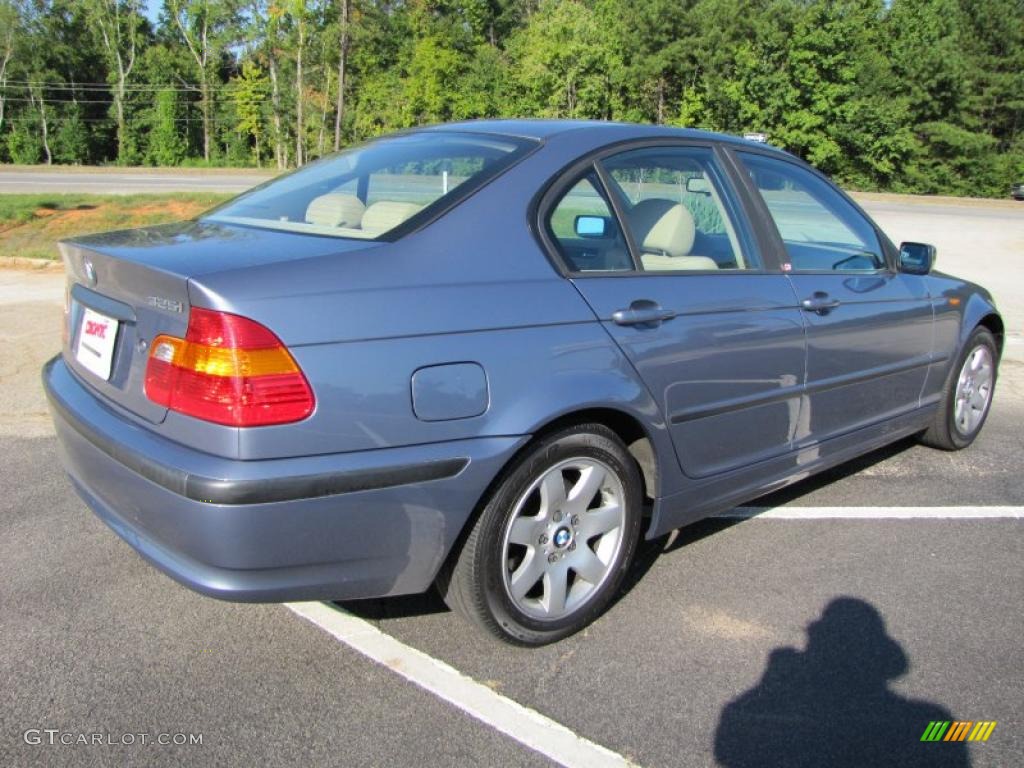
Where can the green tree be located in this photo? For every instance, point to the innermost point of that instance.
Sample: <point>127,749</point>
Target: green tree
<point>347,15</point>
<point>434,73</point>
<point>71,138</point>
<point>646,56</point>
<point>165,143</point>
<point>249,95</point>
<point>206,27</point>
<point>265,35</point>
<point>912,95</point>
<point>12,33</point>
<point>993,44</point>
<point>378,107</point>
<point>23,144</point>
<point>118,24</point>
<point>561,63</point>
<point>482,87</point>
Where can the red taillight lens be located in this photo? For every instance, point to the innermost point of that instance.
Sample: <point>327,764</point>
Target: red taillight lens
<point>229,370</point>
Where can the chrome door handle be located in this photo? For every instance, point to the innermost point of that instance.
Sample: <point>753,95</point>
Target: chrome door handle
<point>819,302</point>
<point>642,312</point>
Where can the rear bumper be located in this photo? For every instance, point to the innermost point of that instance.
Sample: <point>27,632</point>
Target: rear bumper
<point>342,526</point>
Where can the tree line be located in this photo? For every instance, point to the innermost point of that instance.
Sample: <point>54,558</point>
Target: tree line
<point>906,95</point>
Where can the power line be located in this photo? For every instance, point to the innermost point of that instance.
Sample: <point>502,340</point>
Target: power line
<point>65,85</point>
<point>56,118</point>
<point>50,100</point>
<point>72,100</point>
<point>142,88</point>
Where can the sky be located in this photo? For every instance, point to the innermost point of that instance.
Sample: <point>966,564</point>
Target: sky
<point>153,10</point>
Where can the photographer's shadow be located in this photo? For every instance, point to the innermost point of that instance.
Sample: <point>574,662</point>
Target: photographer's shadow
<point>830,705</point>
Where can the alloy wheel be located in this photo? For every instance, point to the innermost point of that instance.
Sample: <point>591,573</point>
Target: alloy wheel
<point>562,541</point>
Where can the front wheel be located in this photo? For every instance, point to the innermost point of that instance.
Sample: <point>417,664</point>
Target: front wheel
<point>554,540</point>
<point>968,395</point>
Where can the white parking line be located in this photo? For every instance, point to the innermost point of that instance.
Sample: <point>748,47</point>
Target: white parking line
<point>528,727</point>
<point>873,513</point>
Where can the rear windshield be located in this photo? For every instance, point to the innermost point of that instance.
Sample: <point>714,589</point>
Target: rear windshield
<point>381,188</point>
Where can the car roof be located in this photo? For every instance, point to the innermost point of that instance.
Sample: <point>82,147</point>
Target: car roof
<point>540,129</point>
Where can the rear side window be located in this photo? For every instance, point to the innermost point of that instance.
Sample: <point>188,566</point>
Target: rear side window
<point>377,189</point>
<point>586,231</point>
<point>674,206</point>
<point>821,231</point>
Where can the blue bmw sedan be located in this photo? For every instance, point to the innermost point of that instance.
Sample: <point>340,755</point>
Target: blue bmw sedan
<point>489,356</point>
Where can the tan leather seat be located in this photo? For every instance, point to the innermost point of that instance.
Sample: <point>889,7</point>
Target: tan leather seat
<point>335,209</point>
<point>665,233</point>
<point>387,214</point>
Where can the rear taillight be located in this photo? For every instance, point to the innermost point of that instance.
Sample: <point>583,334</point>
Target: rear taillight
<point>229,370</point>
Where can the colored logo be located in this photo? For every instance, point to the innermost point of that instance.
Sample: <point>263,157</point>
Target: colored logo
<point>95,329</point>
<point>966,730</point>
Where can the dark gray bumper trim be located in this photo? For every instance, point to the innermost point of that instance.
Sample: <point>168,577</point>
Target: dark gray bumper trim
<point>255,491</point>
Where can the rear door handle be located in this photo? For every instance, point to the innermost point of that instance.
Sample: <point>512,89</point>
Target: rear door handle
<point>642,312</point>
<point>819,302</point>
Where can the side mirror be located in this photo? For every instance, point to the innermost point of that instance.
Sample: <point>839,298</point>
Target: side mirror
<point>917,258</point>
<point>593,226</point>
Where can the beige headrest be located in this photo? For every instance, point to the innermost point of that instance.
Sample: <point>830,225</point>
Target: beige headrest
<point>661,226</point>
<point>387,214</point>
<point>335,209</point>
<point>656,262</point>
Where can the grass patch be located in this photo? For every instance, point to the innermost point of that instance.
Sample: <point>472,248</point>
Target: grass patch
<point>31,225</point>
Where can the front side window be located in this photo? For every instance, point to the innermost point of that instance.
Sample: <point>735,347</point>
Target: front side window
<point>821,231</point>
<point>673,204</point>
<point>369,191</point>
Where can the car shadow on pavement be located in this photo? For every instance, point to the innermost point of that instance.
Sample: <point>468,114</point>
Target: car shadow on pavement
<point>830,704</point>
<point>403,606</point>
<point>701,529</point>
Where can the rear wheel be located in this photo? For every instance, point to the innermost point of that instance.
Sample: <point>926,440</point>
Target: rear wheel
<point>968,395</point>
<point>554,540</point>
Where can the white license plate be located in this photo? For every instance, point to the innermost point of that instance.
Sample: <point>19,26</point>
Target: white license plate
<point>96,343</point>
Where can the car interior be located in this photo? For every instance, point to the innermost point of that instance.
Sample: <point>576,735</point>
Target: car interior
<point>688,231</point>
<point>369,191</point>
<point>820,231</point>
<point>346,211</point>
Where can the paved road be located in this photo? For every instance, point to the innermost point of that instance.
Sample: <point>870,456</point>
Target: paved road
<point>833,642</point>
<point>126,181</point>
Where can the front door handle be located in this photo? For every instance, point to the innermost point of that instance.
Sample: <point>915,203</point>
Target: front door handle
<point>642,312</point>
<point>819,302</point>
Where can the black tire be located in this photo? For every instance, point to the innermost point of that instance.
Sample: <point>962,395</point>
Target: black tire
<point>473,582</point>
<point>943,432</point>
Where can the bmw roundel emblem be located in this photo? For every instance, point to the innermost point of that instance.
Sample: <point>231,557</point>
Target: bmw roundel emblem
<point>90,271</point>
<point>562,537</point>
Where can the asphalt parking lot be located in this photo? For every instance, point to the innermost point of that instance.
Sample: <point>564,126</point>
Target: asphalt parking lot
<point>805,639</point>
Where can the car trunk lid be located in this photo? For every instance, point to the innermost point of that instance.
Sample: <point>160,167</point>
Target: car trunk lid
<point>115,307</point>
<point>125,288</point>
